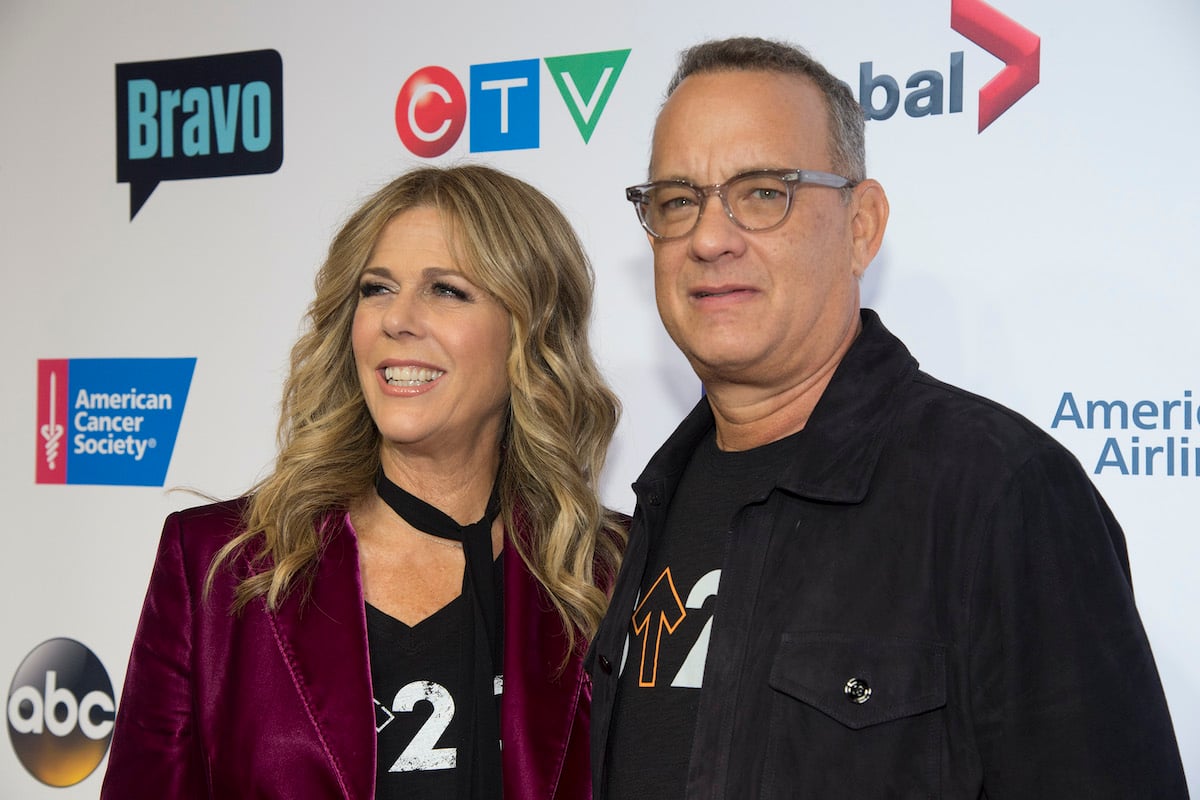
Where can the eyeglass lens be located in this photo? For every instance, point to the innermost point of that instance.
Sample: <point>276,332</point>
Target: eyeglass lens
<point>755,201</point>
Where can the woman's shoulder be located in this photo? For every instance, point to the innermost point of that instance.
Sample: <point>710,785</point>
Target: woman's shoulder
<point>218,516</point>
<point>200,531</point>
<point>614,526</point>
<point>204,529</point>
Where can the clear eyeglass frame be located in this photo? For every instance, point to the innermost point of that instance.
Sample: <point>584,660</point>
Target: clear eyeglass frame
<point>640,195</point>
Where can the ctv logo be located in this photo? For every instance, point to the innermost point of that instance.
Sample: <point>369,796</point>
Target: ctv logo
<point>505,102</point>
<point>60,712</point>
<point>1018,47</point>
<point>109,421</point>
<point>201,117</point>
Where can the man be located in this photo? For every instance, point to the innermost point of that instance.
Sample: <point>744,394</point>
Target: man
<point>846,579</point>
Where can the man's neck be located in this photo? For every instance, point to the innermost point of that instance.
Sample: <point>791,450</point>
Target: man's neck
<point>746,418</point>
<point>750,415</point>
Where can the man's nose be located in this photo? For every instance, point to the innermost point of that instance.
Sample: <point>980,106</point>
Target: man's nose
<point>715,234</point>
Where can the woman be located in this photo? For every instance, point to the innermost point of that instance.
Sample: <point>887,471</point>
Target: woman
<point>430,536</point>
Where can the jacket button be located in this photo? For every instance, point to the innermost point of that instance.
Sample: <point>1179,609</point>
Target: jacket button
<point>605,665</point>
<point>857,691</point>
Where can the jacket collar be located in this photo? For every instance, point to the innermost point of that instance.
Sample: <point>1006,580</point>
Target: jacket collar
<point>324,643</point>
<point>834,460</point>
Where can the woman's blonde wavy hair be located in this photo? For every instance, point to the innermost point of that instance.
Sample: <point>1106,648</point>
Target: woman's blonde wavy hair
<point>514,243</point>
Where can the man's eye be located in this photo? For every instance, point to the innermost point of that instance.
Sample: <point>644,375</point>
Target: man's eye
<point>759,193</point>
<point>675,202</point>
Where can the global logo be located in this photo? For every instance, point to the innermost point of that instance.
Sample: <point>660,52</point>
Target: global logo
<point>204,117</point>
<point>60,712</point>
<point>109,421</point>
<point>928,93</point>
<point>505,102</point>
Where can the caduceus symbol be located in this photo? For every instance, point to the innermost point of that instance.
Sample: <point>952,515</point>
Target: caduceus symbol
<point>52,431</point>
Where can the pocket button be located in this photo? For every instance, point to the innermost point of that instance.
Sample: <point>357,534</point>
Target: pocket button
<point>857,691</point>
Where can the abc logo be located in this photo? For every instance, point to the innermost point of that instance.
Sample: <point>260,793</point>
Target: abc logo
<point>60,712</point>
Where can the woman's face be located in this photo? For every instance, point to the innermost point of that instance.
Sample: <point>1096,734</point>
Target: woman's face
<point>429,345</point>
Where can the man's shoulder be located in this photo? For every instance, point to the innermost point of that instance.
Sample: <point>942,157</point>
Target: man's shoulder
<point>970,426</point>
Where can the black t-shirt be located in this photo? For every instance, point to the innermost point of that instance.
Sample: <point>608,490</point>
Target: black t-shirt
<point>422,687</point>
<point>654,717</point>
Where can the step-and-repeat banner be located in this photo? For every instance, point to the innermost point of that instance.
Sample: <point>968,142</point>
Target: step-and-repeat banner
<point>171,174</point>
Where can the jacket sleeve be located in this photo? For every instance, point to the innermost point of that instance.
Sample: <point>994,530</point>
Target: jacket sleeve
<point>1066,698</point>
<point>155,749</point>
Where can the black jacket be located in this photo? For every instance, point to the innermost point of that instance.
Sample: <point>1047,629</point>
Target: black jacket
<point>943,552</point>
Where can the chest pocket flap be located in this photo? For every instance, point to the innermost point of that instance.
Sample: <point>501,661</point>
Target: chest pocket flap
<point>860,680</point>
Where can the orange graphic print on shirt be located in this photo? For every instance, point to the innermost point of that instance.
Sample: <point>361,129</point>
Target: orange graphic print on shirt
<point>660,610</point>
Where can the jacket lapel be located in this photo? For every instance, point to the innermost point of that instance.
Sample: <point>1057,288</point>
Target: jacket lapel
<point>323,641</point>
<point>324,644</point>
<point>539,704</point>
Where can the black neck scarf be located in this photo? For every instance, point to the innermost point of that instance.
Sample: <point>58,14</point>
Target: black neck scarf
<point>479,776</point>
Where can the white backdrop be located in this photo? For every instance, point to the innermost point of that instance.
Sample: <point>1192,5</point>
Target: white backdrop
<point>1048,254</point>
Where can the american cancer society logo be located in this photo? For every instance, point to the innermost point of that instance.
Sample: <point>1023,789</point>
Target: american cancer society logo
<point>109,421</point>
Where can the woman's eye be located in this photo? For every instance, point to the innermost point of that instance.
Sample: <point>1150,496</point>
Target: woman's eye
<point>371,289</point>
<point>449,290</point>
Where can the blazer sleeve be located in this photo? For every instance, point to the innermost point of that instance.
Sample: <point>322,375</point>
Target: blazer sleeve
<point>155,749</point>
<point>1066,697</point>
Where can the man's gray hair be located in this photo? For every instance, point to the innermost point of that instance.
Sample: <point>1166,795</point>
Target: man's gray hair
<point>847,140</point>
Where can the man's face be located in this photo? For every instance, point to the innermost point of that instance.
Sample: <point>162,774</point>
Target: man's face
<point>769,308</point>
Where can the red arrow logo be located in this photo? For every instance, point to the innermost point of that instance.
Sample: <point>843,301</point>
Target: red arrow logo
<point>1018,47</point>
<point>670,612</point>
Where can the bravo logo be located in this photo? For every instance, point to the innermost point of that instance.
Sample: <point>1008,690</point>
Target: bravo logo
<point>109,421</point>
<point>60,712</point>
<point>201,117</point>
<point>929,93</point>
<point>505,102</point>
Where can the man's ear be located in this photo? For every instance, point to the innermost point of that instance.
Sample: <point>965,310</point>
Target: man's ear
<point>869,205</point>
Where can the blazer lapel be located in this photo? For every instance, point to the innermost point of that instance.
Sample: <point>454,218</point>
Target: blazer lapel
<point>539,704</point>
<point>324,644</point>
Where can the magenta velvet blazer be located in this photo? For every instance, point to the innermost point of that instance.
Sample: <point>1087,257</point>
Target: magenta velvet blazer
<point>279,705</point>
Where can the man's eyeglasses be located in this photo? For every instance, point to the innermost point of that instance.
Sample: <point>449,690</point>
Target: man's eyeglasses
<point>756,201</point>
